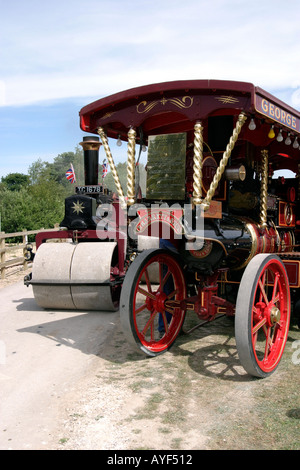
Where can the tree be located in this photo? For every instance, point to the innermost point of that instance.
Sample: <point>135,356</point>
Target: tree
<point>15,207</point>
<point>62,163</point>
<point>47,203</point>
<point>15,181</point>
<point>34,207</point>
<point>122,172</point>
<point>38,170</point>
<point>57,170</point>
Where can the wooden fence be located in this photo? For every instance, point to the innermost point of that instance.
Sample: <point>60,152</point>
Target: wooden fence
<point>7,250</point>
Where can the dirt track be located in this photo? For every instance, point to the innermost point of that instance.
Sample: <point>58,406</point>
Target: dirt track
<point>196,396</point>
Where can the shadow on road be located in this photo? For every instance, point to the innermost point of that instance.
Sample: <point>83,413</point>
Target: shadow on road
<point>100,334</point>
<point>211,349</point>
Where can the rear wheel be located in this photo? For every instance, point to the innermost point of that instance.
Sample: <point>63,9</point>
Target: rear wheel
<point>150,310</point>
<point>262,315</point>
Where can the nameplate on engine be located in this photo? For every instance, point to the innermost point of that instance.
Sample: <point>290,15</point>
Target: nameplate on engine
<point>92,189</point>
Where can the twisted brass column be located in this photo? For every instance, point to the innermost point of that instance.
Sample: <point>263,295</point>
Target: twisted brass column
<point>131,167</point>
<point>198,162</point>
<point>264,189</point>
<point>111,163</point>
<point>221,168</point>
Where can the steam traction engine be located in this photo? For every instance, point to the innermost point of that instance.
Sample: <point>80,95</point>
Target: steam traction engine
<point>215,232</point>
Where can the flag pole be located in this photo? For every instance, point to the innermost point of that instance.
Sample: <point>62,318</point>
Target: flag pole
<point>73,173</point>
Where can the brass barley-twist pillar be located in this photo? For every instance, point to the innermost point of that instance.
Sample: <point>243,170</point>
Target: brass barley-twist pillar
<point>264,189</point>
<point>226,155</point>
<point>198,162</point>
<point>131,167</point>
<point>111,163</point>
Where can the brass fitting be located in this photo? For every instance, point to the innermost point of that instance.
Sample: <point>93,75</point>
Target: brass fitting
<point>226,155</point>
<point>198,163</point>
<point>111,163</point>
<point>131,167</point>
<point>264,189</point>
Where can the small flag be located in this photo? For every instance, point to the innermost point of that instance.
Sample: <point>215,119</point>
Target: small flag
<point>70,175</point>
<point>104,169</point>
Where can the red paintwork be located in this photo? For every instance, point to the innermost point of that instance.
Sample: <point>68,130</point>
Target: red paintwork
<point>119,234</point>
<point>155,302</point>
<point>275,334</point>
<point>172,107</point>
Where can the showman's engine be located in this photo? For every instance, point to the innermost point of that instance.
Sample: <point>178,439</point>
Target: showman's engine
<point>213,230</point>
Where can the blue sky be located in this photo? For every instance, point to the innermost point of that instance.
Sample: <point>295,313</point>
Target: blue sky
<point>56,57</point>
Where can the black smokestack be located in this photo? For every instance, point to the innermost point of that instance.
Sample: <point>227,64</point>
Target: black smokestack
<point>91,145</point>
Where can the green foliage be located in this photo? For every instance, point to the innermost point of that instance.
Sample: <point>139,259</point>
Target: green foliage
<point>38,170</point>
<point>31,208</point>
<point>15,181</point>
<point>122,172</point>
<point>36,200</point>
<point>62,163</point>
<point>47,204</point>
<point>39,203</point>
<point>14,206</point>
<point>56,171</point>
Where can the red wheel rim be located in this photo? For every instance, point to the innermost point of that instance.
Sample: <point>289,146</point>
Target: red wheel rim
<point>150,300</point>
<point>270,316</point>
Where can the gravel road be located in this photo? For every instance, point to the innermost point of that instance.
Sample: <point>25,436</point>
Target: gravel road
<point>69,380</point>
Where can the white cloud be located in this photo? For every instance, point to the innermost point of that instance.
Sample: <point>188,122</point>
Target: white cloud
<point>296,98</point>
<point>77,49</point>
<point>2,93</point>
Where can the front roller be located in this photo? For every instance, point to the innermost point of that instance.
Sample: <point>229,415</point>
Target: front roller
<point>75,276</point>
<point>262,315</point>
<point>150,320</point>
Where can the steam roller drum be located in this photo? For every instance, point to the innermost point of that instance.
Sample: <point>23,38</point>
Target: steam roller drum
<point>74,276</point>
<point>92,262</point>
<point>52,266</point>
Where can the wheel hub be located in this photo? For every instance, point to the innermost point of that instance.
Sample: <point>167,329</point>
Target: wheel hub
<point>270,312</point>
<point>160,301</point>
<point>275,315</point>
<point>157,304</point>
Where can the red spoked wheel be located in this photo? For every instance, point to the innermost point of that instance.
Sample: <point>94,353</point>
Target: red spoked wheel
<point>150,311</point>
<point>262,315</point>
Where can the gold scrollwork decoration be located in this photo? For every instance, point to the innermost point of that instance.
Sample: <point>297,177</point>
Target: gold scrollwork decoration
<point>184,103</point>
<point>108,115</point>
<point>227,99</point>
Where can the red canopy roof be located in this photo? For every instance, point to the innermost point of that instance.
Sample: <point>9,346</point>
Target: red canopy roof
<point>175,106</point>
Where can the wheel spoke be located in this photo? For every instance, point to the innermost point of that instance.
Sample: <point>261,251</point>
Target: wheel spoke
<point>275,289</point>
<point>262,281</point>
<point>164,280</point>
<point>258,325</point>
<point>172,294</point>
<point>268,343</point>
<point>141,308</point>
<point>169,310</point>
<point>160,273</point>
<point>146,293</point>
<point>166,326</point>
<point>150,323</point>
<point>263,292</point>
<point>152,334</point>
<point>148,280</point>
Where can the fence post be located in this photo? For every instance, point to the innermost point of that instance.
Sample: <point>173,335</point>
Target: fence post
<point>2,249</point>
<point>25,240</point>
